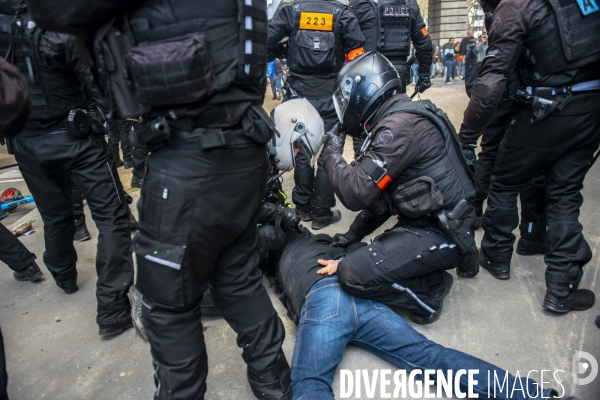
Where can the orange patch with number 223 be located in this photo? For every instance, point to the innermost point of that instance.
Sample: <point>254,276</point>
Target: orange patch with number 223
<point>314,21</point>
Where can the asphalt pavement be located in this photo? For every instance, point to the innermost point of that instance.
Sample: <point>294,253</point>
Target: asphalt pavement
<point>54,350</point>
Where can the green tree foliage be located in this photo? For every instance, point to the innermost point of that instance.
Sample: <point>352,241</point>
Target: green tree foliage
<point>473,8</point>
<point>424,5</point>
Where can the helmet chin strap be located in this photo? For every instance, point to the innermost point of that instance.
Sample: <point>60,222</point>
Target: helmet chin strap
<point>369,133</point>
<point>367,143</point>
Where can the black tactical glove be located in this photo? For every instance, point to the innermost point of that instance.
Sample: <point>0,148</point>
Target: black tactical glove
<point>341,240</point>
<point>289,218</point>
<point>468,151</point>
<point>423,83</point>
<point>335,139</point>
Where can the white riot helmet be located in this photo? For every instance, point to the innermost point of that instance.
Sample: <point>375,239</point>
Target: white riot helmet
<point>299,128</point>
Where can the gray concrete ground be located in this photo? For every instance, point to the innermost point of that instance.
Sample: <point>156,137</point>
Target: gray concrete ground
<point>54,350</point>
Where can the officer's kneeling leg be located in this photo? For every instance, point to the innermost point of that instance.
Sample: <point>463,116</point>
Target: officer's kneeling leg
<point>381,270</point>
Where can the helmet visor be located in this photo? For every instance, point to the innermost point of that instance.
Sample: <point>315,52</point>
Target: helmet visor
<point>341,97</point>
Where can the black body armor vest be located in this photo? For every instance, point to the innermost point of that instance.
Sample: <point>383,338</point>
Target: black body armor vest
<point>53,86</point>
<point>170,54</point>
<point>316,47</point>
<point>449,170</point>
<point>567,40</point>
<point>393,28</point>
<point>390,32</point>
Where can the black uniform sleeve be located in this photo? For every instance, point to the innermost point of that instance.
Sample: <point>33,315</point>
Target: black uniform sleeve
<point>78,16</point>
<point>353,37</point>
<point>280,26</point>
<point>365,223</point>
<point>351,184</point>
<point>506,36</point>
<point>83,72</point>
<point>422,41</point>
<point>367,20</point>
<point>15,103</point>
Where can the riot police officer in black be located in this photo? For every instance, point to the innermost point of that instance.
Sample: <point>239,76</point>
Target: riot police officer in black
<point>205,176</point>
<point>389,26</point>
<point>556,129</point>
<point>411,166</point>
<point>57,147</point>
<point>321,33</point>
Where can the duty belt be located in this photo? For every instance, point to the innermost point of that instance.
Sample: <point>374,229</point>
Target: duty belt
<point>214,138</point>
<point>543,98</point>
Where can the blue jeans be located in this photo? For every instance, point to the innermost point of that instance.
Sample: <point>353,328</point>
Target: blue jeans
<point>275,84</point>
<point>450,65</point>
<point>331,318</point>
<point>415,69</point>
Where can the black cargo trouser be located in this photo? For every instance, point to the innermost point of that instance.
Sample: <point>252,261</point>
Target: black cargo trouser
<point>50,164</point>
<point>118,132</point>
<point>78,211</point>
<point>312,190</point>
<point>403,70</point>
<point>533,193</point>
<point>563,146</point>
<point>198,213</point>
<point>139,163</point>
<point>12,252</point>
<point>403,268</point>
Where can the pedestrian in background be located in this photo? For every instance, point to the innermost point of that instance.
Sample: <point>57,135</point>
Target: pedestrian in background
<point>448,54</point>
<point>274,79</point>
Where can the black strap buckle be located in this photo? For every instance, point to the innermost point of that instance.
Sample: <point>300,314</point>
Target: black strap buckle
<point>212,139</point>
<point>316,45</point>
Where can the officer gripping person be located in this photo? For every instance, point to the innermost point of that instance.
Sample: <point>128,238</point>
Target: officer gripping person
<point>206,173</point>
<point>60,144</point>
<point>388,27</point>
<point>556,129</point>
<point>321,33</point>
<point>411,165</point>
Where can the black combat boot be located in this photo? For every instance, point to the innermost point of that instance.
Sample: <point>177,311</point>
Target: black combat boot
<point>115,329</point>
<point>533,246</point>
<point>68,287</point>
<point>81,231</point>
<point>497,264</point>
<point>534,239</point>
<point>580,299</point>
<point>31,273</point>
<point>468,267</point>
<point>431,318</point>
<point>128,162</point>
<point>321,220</point>
<point>304,213</point>
<point>136,182</point>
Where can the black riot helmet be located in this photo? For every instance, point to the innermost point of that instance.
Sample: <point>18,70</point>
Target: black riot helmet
<point>489,6</point>
<point>361,87</point>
